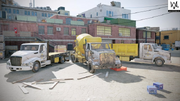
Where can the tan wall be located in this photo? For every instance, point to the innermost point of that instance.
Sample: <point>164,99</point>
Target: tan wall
<point>27,34</point>
<point>8,33</point>
<point>174,35</point>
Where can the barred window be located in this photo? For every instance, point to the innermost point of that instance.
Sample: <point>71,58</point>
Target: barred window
<point>41,29</point>
<point>83,30</point>
<point>73,31</point>
<point>148,34</point>
<point>124,32</point>
<point>66,31</point>
<point>50,30</point>
<point>101,30</point>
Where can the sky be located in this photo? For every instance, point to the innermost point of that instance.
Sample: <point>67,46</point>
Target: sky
<point>75,7</point>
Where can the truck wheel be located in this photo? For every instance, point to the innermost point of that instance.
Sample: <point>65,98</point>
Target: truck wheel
<point>159,62</point>
<point>91,70</point>
<point>62,60</point>
<point>73,59</point>
<point>35,67</point>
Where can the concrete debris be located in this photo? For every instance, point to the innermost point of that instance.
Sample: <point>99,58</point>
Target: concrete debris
<point>62,79</point>
<point>88,76</point>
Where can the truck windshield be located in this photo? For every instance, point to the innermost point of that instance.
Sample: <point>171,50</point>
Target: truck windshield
<point>99,46</point>
<point>29,47</point>
<point>154,46</point>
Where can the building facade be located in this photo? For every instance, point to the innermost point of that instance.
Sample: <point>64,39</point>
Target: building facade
<point>168,37</point>
<point>14,11</point>
<point>141,36</point>
<point>101,11</point>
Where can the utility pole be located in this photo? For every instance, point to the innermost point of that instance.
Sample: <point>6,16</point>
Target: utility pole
<point>159,38</point>
<point>146,37</point>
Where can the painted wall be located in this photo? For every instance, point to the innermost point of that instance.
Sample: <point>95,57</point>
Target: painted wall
<point>102,9</point>
<point>174,35</point>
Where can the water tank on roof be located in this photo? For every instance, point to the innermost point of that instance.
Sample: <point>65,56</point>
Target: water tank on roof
<point>61,8</point>
<point>116,4</point>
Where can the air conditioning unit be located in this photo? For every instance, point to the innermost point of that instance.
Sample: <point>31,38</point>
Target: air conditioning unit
<point>120,34</point>
<point>58,29</point>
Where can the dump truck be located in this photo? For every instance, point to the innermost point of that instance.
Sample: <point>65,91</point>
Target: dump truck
<point>142,52</point>
<point>94,53</point>
<point>33,56</point>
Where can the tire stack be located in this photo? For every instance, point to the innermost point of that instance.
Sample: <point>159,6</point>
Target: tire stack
<point>2,47</point>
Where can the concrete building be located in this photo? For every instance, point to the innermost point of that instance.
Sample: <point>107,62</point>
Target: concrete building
<point>168,37</point>
<point>141,35</point>
<point>101,11</point>
<point>14,11</point>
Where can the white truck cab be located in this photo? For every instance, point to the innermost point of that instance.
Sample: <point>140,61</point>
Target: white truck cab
<point>149,52</point>
<point>31,56</point>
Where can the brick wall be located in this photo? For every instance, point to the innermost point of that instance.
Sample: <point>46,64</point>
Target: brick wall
<point>140,39</point>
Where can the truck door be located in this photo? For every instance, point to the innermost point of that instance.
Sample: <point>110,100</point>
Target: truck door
<point>147,51</point>
<point>87,51</point>
<point>43,53</point>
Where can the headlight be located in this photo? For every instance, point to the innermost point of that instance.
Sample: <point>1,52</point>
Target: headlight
<point>8,63</point>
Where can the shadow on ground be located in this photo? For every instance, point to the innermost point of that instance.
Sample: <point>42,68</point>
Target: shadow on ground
<point>118,76</point>
<point>169,68</point>
<point>45,73</point>
<point>159,95</point>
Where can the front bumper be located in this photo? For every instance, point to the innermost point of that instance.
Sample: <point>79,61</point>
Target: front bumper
<point>19,67</point>
<point>106,66</point>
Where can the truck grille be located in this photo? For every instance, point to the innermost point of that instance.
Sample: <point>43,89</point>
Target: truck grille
<point>107,58</point>
<point>15,60</point>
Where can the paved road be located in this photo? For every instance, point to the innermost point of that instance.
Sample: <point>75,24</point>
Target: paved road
<point>118,86</point>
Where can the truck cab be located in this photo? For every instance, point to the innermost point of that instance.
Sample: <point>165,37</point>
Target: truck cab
<point>31,56</point>
<point>150,51</point>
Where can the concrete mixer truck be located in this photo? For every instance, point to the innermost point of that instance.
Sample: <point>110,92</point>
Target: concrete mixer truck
<point>95,53</point>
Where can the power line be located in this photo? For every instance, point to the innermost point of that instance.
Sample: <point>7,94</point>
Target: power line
<point>135,12</point>
<point>147,6</point>
<point>146,18</point>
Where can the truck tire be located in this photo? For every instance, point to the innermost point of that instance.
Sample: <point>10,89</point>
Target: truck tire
<point>61,60</point>
<point>91,70</point>
<point>36,67</point>
<point>159,62</point>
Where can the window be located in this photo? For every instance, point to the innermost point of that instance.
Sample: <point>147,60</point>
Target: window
<point>125,16</point>
<point>68,21</point>
<point>66,31</point>
<point>45,15</point>
<point>166,37</point>
<point>73,31</point>
<point>32,13</point>
<point>49,15</point>
<point>41,49</point>
<point>9,11</point>
<point>28,12</point>
<point>17,11</point>
<point>150,49</point>
<point>25,13</point>
<point>14,11</point>
<point>101,30</point>
<point>91,16</point>
<point>124,32</point>
<point>122,41</point>
<point>50,30</point>
<point>106,13</point>
<point>148,34</point>
<point>112,14</point>
<point>35,13</point>
<point>109,13</point>
<point>96,13</point>
<point>83,30</point>
<point>145,47</point>
<point>66,14</point>
<point>41,29</point>
<point>9,17</point>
